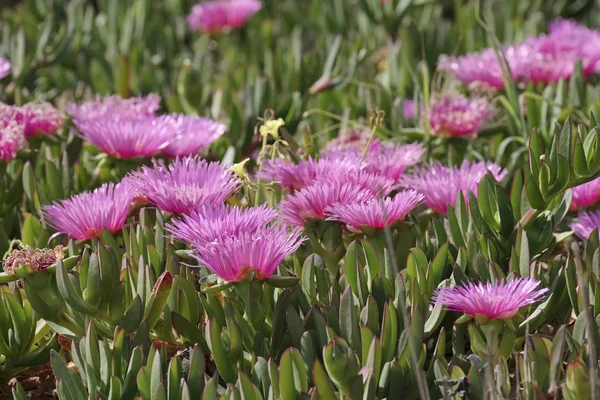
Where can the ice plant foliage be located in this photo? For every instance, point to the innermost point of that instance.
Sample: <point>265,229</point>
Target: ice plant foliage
<point>456,115</point>
<point>498,300</point>
<point>586,223</point>
<point>126,138</point>
<point>85,215</point>
<point>5,67</point>
<point>545,58</point>
<point>441,184</point>
<point>208,224</point>
<point>586,195</point>
<point>37,118</point>
<point>185,184</point>
<point>12,138</point>
<point>191,134</point>
<point>218,15</point>
<point>376,213</point>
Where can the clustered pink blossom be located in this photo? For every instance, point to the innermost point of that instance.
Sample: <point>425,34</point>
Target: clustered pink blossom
<point>129,128</point>
<point>232,242</point>
<point>5,67</point>
<point>498,300</point>
<point>85,215</point>
<point>185,184</point>
<point>545,58</point>
<point>37,118</point>
<point>12,138</point>
<point>218,15</point>
<point>441,184</point>
<point>456,115</point>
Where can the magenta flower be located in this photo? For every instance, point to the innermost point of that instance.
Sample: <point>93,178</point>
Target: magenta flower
<point>5,67</point>
<point>192,135</point>
<point>12,138</point>
<point>586,194</point>
<point>36,117</point>
<point>440,184</point>
<point>586,222</point>
<point>313,201</point>
<point>409,109</point>
<point>481,67</point>
<point>84,215</point>
<point>500,300</point>
<point>381,159</point>
<point>208,224</point>
<point>355,139</point>
<point>126,138</point>
<point>233,258</point>
<point>186,184</point>
<point>218,15</point>
<point>296,176</point>
<point>115,107</point>
<point>455,115</point>
<point>375,213</point>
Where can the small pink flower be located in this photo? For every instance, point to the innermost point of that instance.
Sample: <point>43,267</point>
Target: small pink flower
<point>218,15</point>
<point>85,215</point>
<point>587,222</point>
<point>410,108</point>
<point>5,67</point>
<point>586,195</point>
<point>455,115</point>
<point>500,300</point>
<point>440,184</point>
<point>12,138</point>
<point>115,107</point>
<point>376,213</point>
<point>192,134</point>
<point>38,118</point>
<point>185,184</point>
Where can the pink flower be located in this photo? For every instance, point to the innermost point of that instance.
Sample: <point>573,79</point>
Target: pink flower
<point>500,300</point>
<point>409,109</point>
<point>115,107</point>
<point>192,135</point>
<point>217,15</point>
<point>481,67</point>
<point>586,194</point>
<point>36,117</point>
<point>375,213</point>
<point>5,68</point>
<point>12,138</point>
<point>84,215</point>
<point>233,258</point>
<point>296,176</point>
<point>440,184</point>
<point>587,222</point>
<point>355,139</point>
<point>209,224</point>
<point>186,184</point>
<point>455,115</point>
<point>125,138</point>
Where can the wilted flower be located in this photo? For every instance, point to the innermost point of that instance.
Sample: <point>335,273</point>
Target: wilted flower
<point>217,15</point>
<point>587,222</point>
<point>114,107</point>
<point>12,138</point>
<point>296,176</point>
<point>208,224</point>
<point>313,201</point>
<point>36,117</point>
<point>185,184</point>
<point>500,300</point>
<point>586,194</point>
<point>125,138</point>
<point>456,115</point>
<point>232,258</point>
<point>376,213</point>
<point>191,134</point>
<point>441,184</point>
<point>85,215</point>
<point>4,68</point>
<point>36,259</point>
